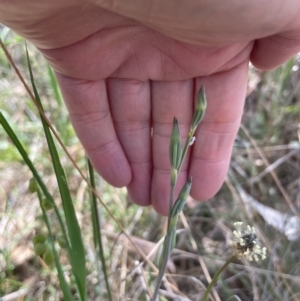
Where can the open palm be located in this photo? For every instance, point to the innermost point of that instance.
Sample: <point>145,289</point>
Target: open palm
<point>123,83</point>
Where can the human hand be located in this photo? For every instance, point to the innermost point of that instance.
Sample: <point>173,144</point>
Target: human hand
<point>121,78</point>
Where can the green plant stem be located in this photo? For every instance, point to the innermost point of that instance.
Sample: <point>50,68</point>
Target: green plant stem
<point>170,232</point>
<point>166,244</point>
<point>97,230</point>
<point>171,201</point>
<point>173,183</point>
<point>215,278</point>
<point>166,255</point>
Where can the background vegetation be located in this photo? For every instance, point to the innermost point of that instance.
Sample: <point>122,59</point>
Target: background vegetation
<point>262,189</point>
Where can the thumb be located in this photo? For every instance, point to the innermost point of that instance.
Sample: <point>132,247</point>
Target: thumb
<point>269,53</point>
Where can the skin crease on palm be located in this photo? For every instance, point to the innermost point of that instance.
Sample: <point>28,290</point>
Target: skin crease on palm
<point>126,70</point>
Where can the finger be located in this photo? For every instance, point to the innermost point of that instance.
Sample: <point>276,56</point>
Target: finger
<point>273,51</point>
<point>90,115</point>
<point>169,99</point>
<point>131,111</point>
<point>216,133</point>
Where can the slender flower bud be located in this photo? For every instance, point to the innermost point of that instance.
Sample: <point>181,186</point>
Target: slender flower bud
<point>175,150</point>
<point>40,248</point>
<point>39,238</point>
<point>33,185</point>
<point>174,175</point>
<point>201,104</point>
<point>184,193</point>
<point>48,257</point>
<point>46,204</point>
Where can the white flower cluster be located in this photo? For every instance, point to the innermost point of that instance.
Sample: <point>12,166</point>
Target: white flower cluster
<point>246,244</point>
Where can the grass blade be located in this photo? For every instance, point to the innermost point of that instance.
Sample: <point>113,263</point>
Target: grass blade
<point>54,86</point>
<point>63,284</point>
<point>76,252</point>
<point>97,231</point>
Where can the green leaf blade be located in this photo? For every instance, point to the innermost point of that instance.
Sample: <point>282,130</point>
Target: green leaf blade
<point>76,251</point>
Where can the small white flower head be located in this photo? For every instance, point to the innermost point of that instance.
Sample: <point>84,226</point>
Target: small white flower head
<point>245,243</point>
